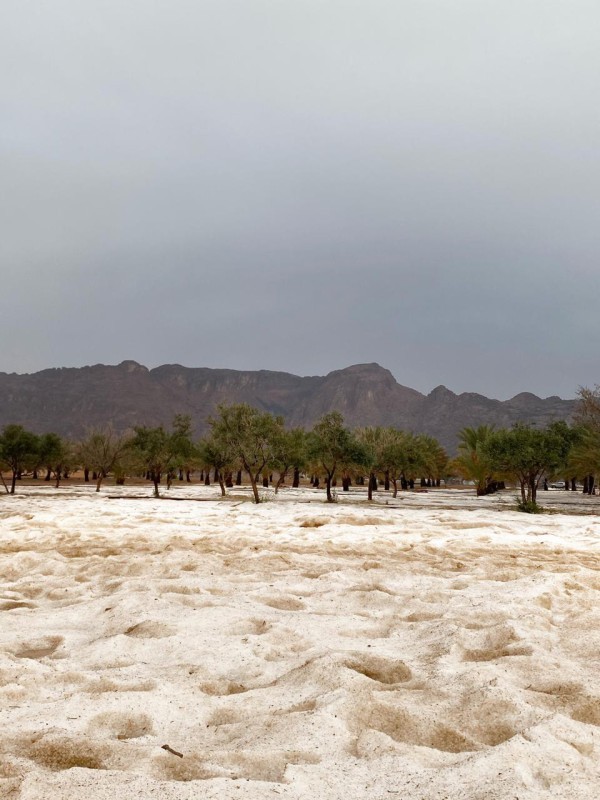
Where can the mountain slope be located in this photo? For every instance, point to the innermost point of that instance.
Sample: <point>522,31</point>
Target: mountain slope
<point>72,400</point>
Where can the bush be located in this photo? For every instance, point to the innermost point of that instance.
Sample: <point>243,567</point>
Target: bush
<point>529,507</point>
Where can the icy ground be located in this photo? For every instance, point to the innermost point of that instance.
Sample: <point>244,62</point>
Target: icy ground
<point>439,646</point>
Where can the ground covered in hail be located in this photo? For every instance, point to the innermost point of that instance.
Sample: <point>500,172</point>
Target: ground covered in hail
<point>433,646</point>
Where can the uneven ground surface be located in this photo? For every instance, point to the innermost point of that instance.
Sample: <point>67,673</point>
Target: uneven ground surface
<point>437,646</point>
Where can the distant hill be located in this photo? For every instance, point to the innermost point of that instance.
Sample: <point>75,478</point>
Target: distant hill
<point>72,400</point>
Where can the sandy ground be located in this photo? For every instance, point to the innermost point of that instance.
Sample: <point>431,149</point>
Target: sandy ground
<point>439,646</point>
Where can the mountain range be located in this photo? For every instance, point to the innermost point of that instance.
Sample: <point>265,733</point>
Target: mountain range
<point>70,401</point>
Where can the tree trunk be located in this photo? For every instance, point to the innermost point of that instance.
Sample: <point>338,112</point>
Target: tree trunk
<point>281,479</point>
<point>386,480</point>
<point>238,478</point>
<point>3,481</point>
<point>156,481</point>
<point>180,474</point>
<point>188,476</point>
<point>229,480</point>
<point>371,482</point>
<point>58,474</point>
<point>86,475</point>
<point>395,489</point>
<point>296,480</point>
<point>207,478</point>
<point>99,481</point>
<point>523,495</point>
<point>254,488</point>
<point>329,497</point>
<point>585,485</point>
<point>573,485</point>
<point>13,481</point>
<point>346,484</point>
<point>265,480</point>
<point>591,482</point>
<point>48,474</point>
<point>222,484</point>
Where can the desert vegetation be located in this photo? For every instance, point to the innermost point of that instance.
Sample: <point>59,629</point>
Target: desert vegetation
<point>243,440</point>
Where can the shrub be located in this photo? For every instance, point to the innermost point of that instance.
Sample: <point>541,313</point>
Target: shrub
<point>529,507</point>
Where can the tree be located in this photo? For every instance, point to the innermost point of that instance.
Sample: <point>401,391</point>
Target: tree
<point>158,451</point>
<point>215,453</point>
<point>472,462</point>
<point>332,446</point>
<point>405,460</point>
<point>187,453</point>
<point>586,451</point>
<point>289,452</point>
<point>527,454</point>
<point>584,458</point>
<point>56,455</point>
<point>431,457</point>
<point>19,451</point>
<point>394,456</point>
<point>250,435</point>
<point>103,451</point>
<point>376,453</point>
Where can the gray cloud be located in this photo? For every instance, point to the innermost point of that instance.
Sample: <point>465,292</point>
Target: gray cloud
<point>302,186</point>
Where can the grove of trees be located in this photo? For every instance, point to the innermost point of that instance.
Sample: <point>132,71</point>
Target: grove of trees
<point>243,439</point>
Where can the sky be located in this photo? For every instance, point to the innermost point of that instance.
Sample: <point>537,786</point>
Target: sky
<point>301,186</point>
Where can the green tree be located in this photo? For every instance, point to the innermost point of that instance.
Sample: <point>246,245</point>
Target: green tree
<point>472,462</point>
<point>432,458</point>
<point>289,453</point>
<point>103,451</point>
<point>250,435</point>
<point>331,446</point>
<point>584,458</point>
<point>56,455</point>
<point>19,451</point>
<point>183,442</point>
<point>377,448</point>
<point>394,456</point>
<point>159,452</point>
<point>215,453</point>
<point>527,454</point>
<point>406,460</point>
<point>586,451</point>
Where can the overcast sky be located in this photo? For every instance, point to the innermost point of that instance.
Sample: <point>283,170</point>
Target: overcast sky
<point>302,185</point>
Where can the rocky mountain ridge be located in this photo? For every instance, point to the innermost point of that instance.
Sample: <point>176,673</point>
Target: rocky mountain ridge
<point>73,400</point>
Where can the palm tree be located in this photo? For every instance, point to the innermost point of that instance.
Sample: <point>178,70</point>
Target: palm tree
<point>472,462</point>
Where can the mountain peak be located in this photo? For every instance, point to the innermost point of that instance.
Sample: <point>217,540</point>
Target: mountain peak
<point>441,392</point>
<point>132,366</point>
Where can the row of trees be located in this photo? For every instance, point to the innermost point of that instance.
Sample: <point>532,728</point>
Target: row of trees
<point>528,456</point>
<point>244,439</point>
<point>240,439</point>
